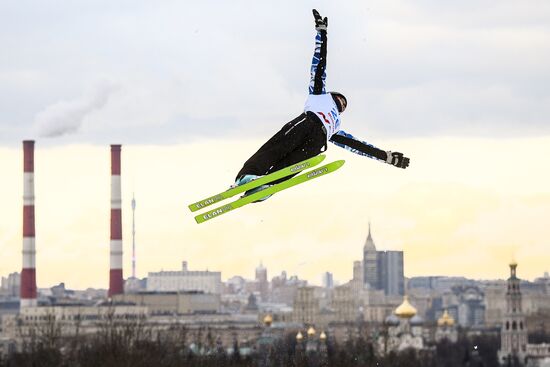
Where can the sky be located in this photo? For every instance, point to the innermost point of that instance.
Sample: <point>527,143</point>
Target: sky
<point>192,89</point>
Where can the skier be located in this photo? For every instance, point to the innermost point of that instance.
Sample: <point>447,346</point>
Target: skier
<point>306,136</point>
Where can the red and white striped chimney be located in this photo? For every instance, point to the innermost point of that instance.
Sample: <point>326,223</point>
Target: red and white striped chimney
<point>115,275</point>
<point>28,274</point>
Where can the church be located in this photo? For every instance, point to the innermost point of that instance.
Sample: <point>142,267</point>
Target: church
<point>514,346</point>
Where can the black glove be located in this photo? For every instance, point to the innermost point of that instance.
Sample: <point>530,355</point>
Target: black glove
<point>397,159</point>
<point>320,23</point>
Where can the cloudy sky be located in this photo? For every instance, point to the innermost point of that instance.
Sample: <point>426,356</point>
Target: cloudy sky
<point>191,89</point>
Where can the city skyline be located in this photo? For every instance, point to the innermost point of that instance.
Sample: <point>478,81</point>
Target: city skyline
<point>460,88</point>
<point>433,314</point>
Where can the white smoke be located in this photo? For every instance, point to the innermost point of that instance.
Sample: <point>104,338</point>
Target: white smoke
<point>66,117</point>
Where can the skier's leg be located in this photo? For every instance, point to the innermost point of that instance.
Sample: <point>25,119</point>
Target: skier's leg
<point>275,149</point>
<point>308,140</point>
<point>313,144</point>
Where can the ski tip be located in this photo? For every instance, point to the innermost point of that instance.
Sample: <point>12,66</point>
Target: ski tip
<point>200,218</point>
<point>206,202</point>
<point>195,206</point>
<point>337,164</point>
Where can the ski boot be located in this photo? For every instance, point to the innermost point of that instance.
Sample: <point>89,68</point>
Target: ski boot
<point>247,178</point>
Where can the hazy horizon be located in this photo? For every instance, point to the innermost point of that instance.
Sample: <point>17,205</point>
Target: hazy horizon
<point>192,90</point>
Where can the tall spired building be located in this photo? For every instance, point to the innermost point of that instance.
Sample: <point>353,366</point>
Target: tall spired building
<point>513,333</point>
<point>370,260</point>
<point>383,270</point>
<point>263,284</point>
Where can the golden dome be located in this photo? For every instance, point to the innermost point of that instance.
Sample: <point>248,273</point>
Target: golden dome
<point>310,331</point>
<point>446,320</point>
<point>299,336</point>
<point>268,319</point>
<point>405,310</point>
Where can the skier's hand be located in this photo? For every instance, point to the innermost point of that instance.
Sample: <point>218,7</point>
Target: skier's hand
<point>320,23</point>
<point>397,159</point>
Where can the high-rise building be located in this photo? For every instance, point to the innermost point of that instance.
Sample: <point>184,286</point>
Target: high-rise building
<point>263,284</point>
<point>357,284</point>
<point>370,272</point>
<point>358,272</point>
<point>390,272</point>
<point>383,270</point>
<point>345,304</point>
<point>11,285</point>
<point>306,306</point>
<point>328,280</point>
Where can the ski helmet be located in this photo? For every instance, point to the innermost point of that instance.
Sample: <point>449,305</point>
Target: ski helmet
<point>341,101</point>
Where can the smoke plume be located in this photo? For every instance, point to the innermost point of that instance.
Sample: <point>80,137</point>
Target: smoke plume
<point>66,117</point>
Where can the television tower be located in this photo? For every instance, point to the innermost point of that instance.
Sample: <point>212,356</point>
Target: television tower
<point>133,236</point>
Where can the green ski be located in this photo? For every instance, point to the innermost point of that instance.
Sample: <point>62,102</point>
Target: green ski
<point>284,172</point>
<point>304,177</point>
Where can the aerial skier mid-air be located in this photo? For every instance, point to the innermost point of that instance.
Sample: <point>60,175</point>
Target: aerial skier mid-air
<point>306,136</point>
<point>299,144</point>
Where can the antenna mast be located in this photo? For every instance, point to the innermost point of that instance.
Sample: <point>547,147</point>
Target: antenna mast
<point>133,236</point>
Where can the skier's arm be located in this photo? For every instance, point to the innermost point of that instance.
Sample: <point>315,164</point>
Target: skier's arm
<point>319,61</point>
<point>349,142</point>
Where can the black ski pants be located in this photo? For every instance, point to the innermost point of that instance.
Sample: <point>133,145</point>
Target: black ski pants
<point>300,139</point>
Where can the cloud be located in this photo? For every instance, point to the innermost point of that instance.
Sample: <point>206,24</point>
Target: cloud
<point>422,69</point>
<point>67,117</point>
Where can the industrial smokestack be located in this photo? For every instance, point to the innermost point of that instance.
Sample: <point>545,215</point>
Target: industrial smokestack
<point>28,274</point>
<point>115,274</point>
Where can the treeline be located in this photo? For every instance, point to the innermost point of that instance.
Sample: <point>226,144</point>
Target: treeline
<point>136,345</point>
